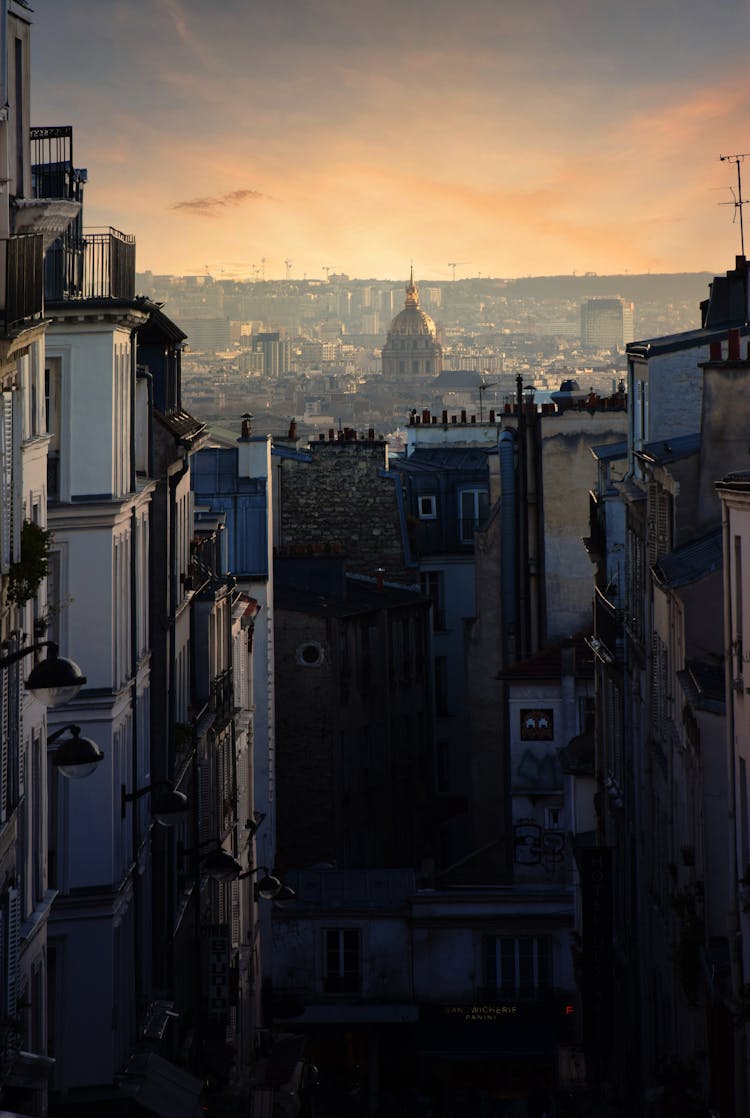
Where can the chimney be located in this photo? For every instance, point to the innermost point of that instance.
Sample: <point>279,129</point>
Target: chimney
<point>425,415</point>
<point>733,353</point>
<point>247,419</point>
<point>463,416</point>
<point>445,416</point>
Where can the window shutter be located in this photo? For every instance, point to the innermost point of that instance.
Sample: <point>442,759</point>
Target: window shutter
<point>13,910</point>
<point>6,482</point>
<point>4,746</point>
<point>16,423</point>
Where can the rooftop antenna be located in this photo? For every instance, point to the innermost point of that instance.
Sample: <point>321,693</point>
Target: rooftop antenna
<point>739,201</point>
<point>482,389</point>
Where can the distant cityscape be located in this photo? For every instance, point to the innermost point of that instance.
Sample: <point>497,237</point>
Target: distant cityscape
<point>311,349</point>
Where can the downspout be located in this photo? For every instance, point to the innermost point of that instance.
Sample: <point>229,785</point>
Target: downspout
<point>508,544</point>
<point>149,379</point>
<point>173,482</point>
<point>522,537</point>
<point>133,383</point>
<point>734,929</point>
<point>137,947</point>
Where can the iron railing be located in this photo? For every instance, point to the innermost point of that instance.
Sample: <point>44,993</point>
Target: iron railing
<point>24,278</point>
<point>53,174</point>
<point>109,265</point>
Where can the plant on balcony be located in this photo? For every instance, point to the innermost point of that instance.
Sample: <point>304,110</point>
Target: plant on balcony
<point>25,576</point>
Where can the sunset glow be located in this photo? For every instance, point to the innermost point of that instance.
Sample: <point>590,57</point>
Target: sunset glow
<point>514,138</point>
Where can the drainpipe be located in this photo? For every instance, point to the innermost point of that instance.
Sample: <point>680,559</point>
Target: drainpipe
<point>508,544</point>
<point>144,374</point>
<point>734,927</point>
<point>133,382</point>
<point>137,946</point>
<point>522,552</point>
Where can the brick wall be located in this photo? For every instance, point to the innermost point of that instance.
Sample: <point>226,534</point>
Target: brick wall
<point>340,501</point>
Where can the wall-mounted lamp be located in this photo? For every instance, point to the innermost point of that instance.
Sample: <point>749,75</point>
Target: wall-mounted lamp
<point>75,757</point>
<point>169,807</point>
<point>54,681</point>
<point>268,887</point>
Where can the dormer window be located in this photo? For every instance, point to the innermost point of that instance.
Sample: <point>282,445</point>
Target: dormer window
<point>427,507</point>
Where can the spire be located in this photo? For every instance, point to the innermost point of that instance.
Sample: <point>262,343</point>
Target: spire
<point>412,292</point>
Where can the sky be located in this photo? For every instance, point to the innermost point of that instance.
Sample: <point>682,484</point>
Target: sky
<point>266,138</point>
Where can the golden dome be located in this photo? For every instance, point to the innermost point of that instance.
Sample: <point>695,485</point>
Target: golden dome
<point>412,321</point>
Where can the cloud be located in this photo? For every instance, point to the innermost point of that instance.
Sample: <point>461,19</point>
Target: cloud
<point>212,207</point>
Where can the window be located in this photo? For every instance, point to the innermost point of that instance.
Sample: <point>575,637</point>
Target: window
<point>441,686</point>
<point>517,964</point>
<point>427,505</point>
<point>342,960</point>
<point>473,505</point>
<point>431,583</point>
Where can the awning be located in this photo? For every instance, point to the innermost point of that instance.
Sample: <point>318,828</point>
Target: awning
<point>161,1087</point>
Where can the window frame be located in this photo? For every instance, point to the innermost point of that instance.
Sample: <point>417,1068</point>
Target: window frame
<point>345,979</point>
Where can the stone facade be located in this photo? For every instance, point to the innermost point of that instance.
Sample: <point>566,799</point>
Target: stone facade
<point>344,501</point>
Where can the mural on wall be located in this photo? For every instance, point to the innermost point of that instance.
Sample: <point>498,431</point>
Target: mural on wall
<point>533,845</point>
<point>534,763</point>
<point>537,724</point>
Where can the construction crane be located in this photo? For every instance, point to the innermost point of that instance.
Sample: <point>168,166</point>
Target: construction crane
<point>455,265</point>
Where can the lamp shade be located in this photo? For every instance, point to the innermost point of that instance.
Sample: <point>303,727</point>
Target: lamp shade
<point>268,887</point>
<point>77,757</point>
<point>221,866</point>
<point>170,808</point>
<point>55,680</point>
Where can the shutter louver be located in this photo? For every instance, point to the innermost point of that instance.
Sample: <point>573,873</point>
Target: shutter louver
<point>14,910</point>
<point>6,481</point>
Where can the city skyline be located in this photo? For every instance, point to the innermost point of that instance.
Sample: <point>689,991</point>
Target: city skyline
<point>296,139</point>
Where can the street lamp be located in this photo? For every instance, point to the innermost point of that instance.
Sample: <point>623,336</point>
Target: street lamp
<point>53,681</point>
<point>168,808</point>
<point>75,757</point>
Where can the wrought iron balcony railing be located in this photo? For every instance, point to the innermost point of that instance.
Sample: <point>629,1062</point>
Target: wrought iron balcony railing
<point>99,265</point>
<point>24,282</point>
<point>53,174</point>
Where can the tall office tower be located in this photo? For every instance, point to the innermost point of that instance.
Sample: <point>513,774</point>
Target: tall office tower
<point>606,323</point>
<point>276,353</point>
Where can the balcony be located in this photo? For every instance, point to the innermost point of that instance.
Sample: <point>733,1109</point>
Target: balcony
<point>608,625</point>
<point>56,186</point>
<point>99,265</point>
<point>24,286</point>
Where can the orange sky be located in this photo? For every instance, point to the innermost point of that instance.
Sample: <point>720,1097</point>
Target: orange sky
<point>515,138</point>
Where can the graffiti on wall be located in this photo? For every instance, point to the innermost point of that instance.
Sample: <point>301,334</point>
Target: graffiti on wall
<point>534,845</point>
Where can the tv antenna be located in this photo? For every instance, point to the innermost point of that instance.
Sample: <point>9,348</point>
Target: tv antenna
<point>738,201</point>
<point>482,389</point>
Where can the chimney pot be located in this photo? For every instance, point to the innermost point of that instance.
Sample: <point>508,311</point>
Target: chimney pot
<point>733,353</point>
<point>426,415</point>
<point>445,416</point>
<point>463,416</point>
<point>714,351</point>
<point>492,415</point>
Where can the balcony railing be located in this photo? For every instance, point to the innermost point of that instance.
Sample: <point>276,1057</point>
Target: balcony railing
<point>109,265</point>
<point>24,282</point>
<point>608,625</point>
<point>99,265</point>
<point>53,174</point>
